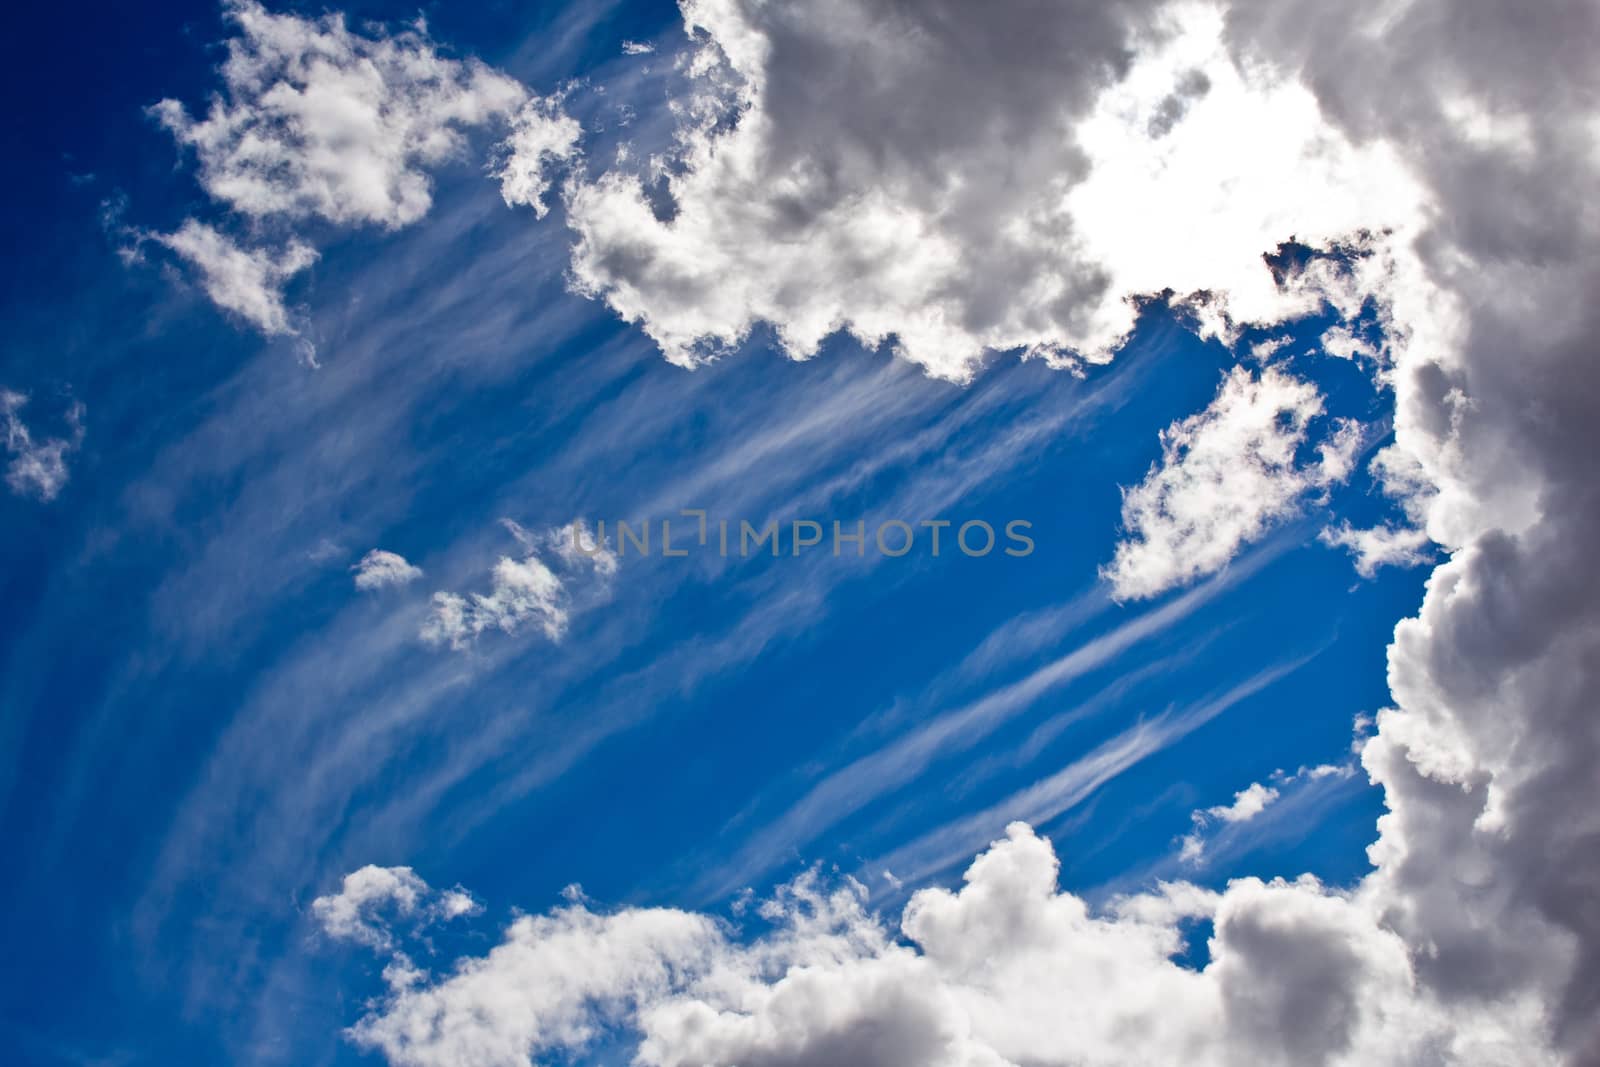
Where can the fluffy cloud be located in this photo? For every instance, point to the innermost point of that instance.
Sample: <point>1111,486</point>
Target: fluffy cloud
<point>522,592</point>
<point>1380,546</point>
<point>527,591</point>
<point>541,135</point>
<point>1225,475</point>
<point>965,180</point>
<point>319,122</point>
<point>379,569</point>
<point>36,468</point>
<point>1006,971</point>
<point>247,281</point>
<point>362,908</point>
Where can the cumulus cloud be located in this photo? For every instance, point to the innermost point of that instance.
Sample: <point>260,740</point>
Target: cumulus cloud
<point>541,135</point>
<point>1380,546</point>
<point>36,468</point>
<point>371,898</point>
<point>246,281</point>
<point>527,591</point>
<point>974,186</point>
<point>1225,475</point>
<point>316,121</point>
<point>1009,970</point>
<point>522,592</point>
<point>379,569</point>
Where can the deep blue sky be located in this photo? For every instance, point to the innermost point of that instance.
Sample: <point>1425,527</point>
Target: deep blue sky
<point>204,725</point>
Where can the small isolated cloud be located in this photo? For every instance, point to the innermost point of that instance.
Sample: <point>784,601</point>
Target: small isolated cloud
<point>522,592</point>
<point>1226,474</point>
<point>246,281</point>
<point>379,569</point>
<point>1247,804</point>
<point>372,898</point>
<point>527,591</point>
<point>1380,546</point>
<point>36,468</point>
<point>637,48</point>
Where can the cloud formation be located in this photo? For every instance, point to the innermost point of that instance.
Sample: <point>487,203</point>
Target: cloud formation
<point>246,281</point>
<point>1006,971</point>
<point>379,569</point>
<point>1226,475</point>
<point>362,909</point>
<point>890,171</point>
<point>987,180</point>
<point>526,591</point>
<point>36,468</point>
<point>316,122</point>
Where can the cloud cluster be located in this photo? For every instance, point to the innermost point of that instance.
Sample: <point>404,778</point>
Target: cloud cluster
<point>961,177</point>
<point>317,122</point>
<point>1226,474</point>
<point>1004,972</point>
<point>36,468</point>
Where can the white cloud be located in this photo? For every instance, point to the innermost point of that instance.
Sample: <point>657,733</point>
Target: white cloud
<point>541,135</point>
<point>317,121</point>
<point>246,281</point>
<point>378,569</point>
<point>1380,546</point>
<point>36,468</point>
<point>527,591</point>
<point>1225,475</point>
<point>522,592</point>
<point>1247,804</point>
<point>1007,971</point>
<point>361,911</point>
<point>892,180</point>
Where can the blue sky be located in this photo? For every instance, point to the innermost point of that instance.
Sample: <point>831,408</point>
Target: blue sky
<point>207,725</point>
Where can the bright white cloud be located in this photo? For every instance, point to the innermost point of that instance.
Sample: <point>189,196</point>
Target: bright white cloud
<point>246,281</point>
<point>527,591</point>
<point>541,135</point>
<point>1007,971</point>
<point>371,898</point>
<point>522,592</point>
<point>318,121</point>
<point>36,468</point>
<point>1247,804</point>
<point>1225,475</point>
<point>379,569</point>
